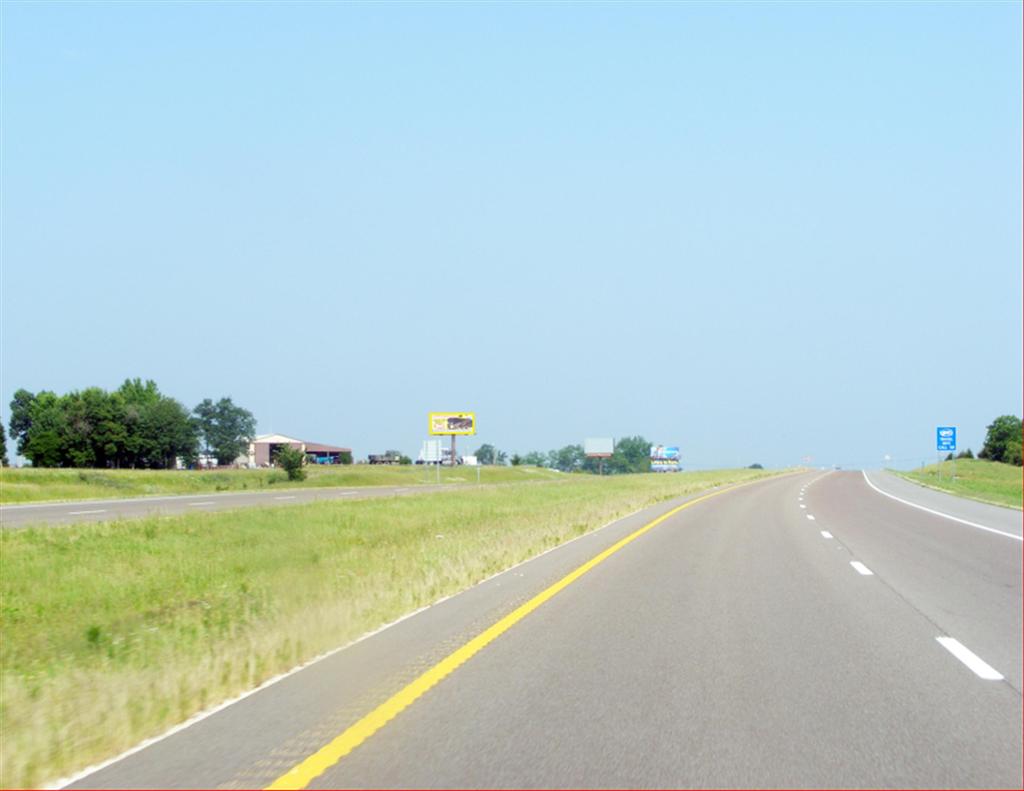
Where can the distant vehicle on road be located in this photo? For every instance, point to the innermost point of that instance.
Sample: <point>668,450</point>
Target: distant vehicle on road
<point>384,458</point>
<point>446,456</point>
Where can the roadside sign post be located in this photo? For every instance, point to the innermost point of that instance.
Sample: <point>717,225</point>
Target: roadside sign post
<point>599,448</point>
<point>452,424</point>
<point>945,442</point>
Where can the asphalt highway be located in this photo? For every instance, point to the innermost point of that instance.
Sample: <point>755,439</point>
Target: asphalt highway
<point>805,631</point>
<point>133,508</point>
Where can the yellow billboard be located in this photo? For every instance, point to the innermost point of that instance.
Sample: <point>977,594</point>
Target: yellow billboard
<point>452,423</point>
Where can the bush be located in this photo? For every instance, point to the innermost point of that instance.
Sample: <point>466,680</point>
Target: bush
<point>1002,441</point>
<point>345,457</point>
<point>965,454</point>
<point>755,466</point>
<point>404,460</point>
<point>291,460</point>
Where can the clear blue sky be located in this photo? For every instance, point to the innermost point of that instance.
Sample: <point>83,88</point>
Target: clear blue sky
<point>756,231</point>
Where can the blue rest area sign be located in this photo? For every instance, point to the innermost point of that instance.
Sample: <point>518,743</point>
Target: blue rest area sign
<point>945,438</point>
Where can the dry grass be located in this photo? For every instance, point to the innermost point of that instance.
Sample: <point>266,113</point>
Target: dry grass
<point>27,485</point>
<point>112,632</point>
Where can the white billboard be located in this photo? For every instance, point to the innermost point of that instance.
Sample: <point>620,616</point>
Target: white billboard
<point>600,447</point>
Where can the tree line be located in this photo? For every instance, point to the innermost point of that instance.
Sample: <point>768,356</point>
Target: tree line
<point>632,454</point>
<point>135,426</point>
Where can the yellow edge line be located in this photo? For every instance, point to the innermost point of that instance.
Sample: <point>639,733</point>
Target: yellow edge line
<point>304,773</point>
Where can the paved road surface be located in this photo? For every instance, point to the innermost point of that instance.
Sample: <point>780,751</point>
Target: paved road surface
<point>734,644</point>
<point>993,516</point>
<point>102,510</point>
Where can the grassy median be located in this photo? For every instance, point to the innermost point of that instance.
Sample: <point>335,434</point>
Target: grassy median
<point>114,631</point>
<point>27,485</point>
<point>987,481</point>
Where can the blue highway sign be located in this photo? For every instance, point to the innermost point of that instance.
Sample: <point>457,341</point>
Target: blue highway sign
<point>945,438</point>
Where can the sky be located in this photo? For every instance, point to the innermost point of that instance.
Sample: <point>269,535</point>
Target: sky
<point>761,232</point>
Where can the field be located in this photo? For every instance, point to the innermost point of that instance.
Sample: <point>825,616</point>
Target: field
<point>114,631</point>
<point>27,485</point>
<point>988,481</point>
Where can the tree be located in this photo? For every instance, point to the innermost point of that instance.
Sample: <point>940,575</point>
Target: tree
<point>226,429</point>
<point>169,432</point>
<point>1013,453</point>
<point>487,454</point>
<point>21,418</point>
<point>157,429</point>
<point>949,456</point>
<point>291,460</point>
<point>568,459</point>
<point>345,457</point>
<point>631,455</point>
<point>965,454</point>
<point>44,441</point>
<point>3,446</point>
<point>536,458</point>
<point>755,466</point>
<point>1003,440</point>
<point>516,460</point>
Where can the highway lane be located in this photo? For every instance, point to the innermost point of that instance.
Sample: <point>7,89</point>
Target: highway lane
<point>996,517</point>
<point>133,508</point>
<point>965,580</point>
<point>734,644</point>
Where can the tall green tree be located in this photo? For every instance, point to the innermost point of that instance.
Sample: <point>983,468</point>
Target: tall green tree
<point>535,458</point>
<point>21,418</point>
<point>44,443</point>
<point>3,446</point>
<point>226,429</point>
<point>169,432</point>
<point>567,459</point>
<point>631,455</point>
<point>1003,440</point>
<point>158,429</point>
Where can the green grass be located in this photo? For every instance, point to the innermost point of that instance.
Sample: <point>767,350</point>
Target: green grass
<point>114,631</point>
<point>988,481</point>
<point>27,485</point>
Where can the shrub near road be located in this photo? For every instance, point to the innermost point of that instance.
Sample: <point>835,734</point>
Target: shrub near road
<point>114,631</point>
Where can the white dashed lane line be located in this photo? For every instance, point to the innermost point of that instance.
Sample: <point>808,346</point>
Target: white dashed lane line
<point>810,517</point>
<point>861,568</point>
<point>826,534</point>
<point>286,497</point>
<point>979,666</point>
<point>94,511</point>
<point>207,502</point>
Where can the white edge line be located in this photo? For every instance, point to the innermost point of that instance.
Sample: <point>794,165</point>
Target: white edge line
<point>861,568</point>
<point>95,511</point>
<point>939,513</point>
<point>980,667</point>
<point>202,715</point>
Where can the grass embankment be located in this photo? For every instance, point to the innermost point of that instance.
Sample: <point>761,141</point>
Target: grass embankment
<point>988,481</point>
<point>27,485</point>
<point>114,631</point>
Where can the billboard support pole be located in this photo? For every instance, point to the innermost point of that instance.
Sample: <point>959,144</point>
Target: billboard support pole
<point>600,466</point>
<point>453,450</point>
